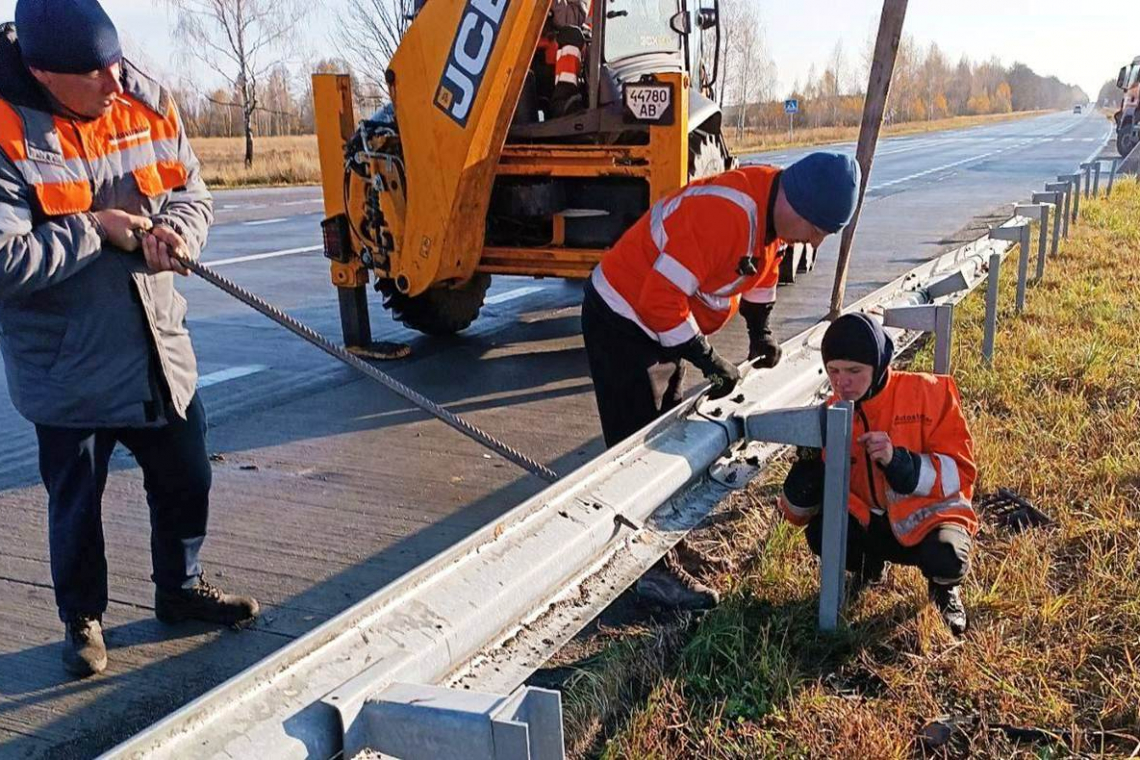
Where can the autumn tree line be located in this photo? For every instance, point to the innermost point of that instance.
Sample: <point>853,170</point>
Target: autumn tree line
<point>927,83</point>
<point>247,43</point>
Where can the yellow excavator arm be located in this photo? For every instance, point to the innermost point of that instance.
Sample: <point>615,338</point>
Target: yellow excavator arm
<point>455,83</point>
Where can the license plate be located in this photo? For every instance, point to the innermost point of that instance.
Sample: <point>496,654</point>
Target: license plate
<point>649,103</point>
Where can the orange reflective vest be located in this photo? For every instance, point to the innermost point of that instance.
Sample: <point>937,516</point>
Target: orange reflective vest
<point>922,413</point>
<point>62,159</point>
<point>682,270</point>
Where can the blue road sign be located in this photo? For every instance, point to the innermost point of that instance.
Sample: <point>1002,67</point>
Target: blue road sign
<point>791,106</point>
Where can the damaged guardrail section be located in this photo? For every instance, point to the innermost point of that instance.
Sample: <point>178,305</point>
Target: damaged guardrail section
<point>488,612</point>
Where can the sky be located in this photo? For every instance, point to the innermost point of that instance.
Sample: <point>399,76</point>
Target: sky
<point>1085,47</point>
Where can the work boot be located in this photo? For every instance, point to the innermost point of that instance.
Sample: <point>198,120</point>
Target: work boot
<point>565,100</point>
<point>670,585</point>
<point>84,653</point>
<point>948,600</point>
<point>694,560</point>
<point>203,602</point>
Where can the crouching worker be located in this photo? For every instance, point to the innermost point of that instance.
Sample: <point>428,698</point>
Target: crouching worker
<point>912,469</point>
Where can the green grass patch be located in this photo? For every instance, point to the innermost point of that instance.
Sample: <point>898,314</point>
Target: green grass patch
<point>1054,643</point>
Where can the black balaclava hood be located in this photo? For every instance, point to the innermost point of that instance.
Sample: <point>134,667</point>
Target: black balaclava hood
<point>860,338</point>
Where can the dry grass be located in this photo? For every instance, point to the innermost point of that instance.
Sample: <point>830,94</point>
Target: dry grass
<point>761,141</point>
<point>1055,636</point>
<point>276,161</point>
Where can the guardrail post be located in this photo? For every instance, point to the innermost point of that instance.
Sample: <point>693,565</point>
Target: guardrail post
<point>1040,213</point>
<point>991,308</point>
<point>1020,235</point>
<point>827,427</point>
<point>1096,178</point>
<point>1074,181</point>
<point>836,487</point>
<point>937,319</point>
<point>1054,201</point>
<point>1066,189</point>
<point>1112,175</point>
<point>1087,169</point>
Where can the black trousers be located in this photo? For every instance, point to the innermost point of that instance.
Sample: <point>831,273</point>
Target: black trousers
<point>943,555</point>
<point>176,477</point>
<point>635,379</point>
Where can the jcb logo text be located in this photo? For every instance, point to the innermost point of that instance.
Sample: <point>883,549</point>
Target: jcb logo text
<point>470,53</point>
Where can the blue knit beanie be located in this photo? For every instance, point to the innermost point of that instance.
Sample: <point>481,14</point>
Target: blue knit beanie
<point>823,188</point>
<point>66,36</point>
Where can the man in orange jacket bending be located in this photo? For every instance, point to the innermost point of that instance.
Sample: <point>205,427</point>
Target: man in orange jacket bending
<point>912,471</point>
<point>678,275</point>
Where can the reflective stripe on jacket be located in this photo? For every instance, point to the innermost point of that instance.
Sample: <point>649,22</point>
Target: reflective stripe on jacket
<point>923,414</point>
<point>63,159</point>
<point>86,330</point>
<point>677,272</point>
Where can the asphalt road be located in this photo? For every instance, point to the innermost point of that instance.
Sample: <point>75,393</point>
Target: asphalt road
<point>327,487</point>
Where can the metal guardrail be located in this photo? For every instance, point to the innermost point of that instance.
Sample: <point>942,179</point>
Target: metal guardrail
<point>488,612</point>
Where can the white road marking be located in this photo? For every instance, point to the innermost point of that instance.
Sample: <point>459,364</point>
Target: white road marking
<point>511,295</point>
<point>261,256</point>
<point>233,373</point>
<point>1022,143</point>
<point>260,222</point>
<point>935,169</point>
<point>1100,145</point>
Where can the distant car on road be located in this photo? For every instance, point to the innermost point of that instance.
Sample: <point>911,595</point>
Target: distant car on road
<point>1076,109</point>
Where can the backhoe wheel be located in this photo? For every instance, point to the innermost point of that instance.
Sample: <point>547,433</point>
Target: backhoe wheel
<point>441,311</point>
<point>706,156</point>
<point>1125,142</point>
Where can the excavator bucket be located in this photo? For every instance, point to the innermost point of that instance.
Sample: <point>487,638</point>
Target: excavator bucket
<point>455,83</point>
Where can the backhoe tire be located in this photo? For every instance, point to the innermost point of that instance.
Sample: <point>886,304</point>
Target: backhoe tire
<point>1124,140</point>
<point>706,158</point>
<point>441,311</point>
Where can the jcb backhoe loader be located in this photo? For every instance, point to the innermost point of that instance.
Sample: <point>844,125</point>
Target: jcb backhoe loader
<point>1126,116</point>
<point>468,174</point>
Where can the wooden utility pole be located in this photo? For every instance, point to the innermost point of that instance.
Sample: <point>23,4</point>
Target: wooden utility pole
<point>879,86</point>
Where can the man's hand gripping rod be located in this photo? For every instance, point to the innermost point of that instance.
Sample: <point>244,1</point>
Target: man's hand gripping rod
<point>312,336</point>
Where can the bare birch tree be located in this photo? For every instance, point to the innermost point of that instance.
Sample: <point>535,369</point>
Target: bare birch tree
<point>749,74</point>
<point>368,33</point>
<point>241,41</point>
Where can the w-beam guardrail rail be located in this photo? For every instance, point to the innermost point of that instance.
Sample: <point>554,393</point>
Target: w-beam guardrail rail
<point>485,614</point>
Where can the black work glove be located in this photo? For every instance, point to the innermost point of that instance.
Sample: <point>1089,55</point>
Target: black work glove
<point>763,350</point>
<point>722,374</point>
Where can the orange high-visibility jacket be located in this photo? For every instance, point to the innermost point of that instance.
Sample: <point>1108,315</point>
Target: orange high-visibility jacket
<point>922,413</point>
<point>677,272</point>
<point>134,138</point>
